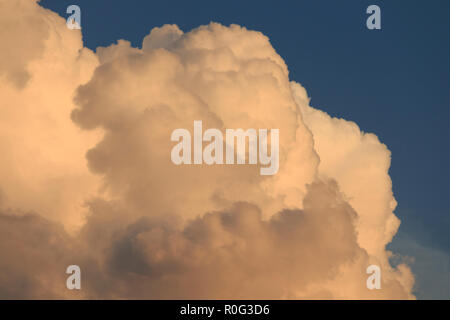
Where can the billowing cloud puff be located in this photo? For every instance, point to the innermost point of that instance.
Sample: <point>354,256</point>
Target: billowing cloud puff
<point>87,138</point>
<point>42,152</point>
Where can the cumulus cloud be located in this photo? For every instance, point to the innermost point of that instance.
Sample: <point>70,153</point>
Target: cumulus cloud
<point>33,251</point>
<point>235,253</point>
<point>87,172</point>
<point>42,152</point>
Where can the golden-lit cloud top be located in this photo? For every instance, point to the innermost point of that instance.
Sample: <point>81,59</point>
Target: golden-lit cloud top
<point>86,176</point>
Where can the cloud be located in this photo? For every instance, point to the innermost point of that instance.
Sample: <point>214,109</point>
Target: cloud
<point>235,253</point>
<point>42,167</point>
<point>98,126</point>
<point>34,253</point>
<point>360,164</point>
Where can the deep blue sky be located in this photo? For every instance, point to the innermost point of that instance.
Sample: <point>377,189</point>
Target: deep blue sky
<point>394,82</point>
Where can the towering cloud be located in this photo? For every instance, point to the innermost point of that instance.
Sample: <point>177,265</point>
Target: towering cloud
<point>42,166</point>
<point>87,177</point>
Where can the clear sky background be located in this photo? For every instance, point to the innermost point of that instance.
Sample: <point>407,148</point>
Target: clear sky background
<point>393,82</point>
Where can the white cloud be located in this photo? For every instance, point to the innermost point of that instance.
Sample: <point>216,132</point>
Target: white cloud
<point>157,225</point>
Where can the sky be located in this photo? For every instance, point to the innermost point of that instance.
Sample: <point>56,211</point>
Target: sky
<point>392,82</point>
